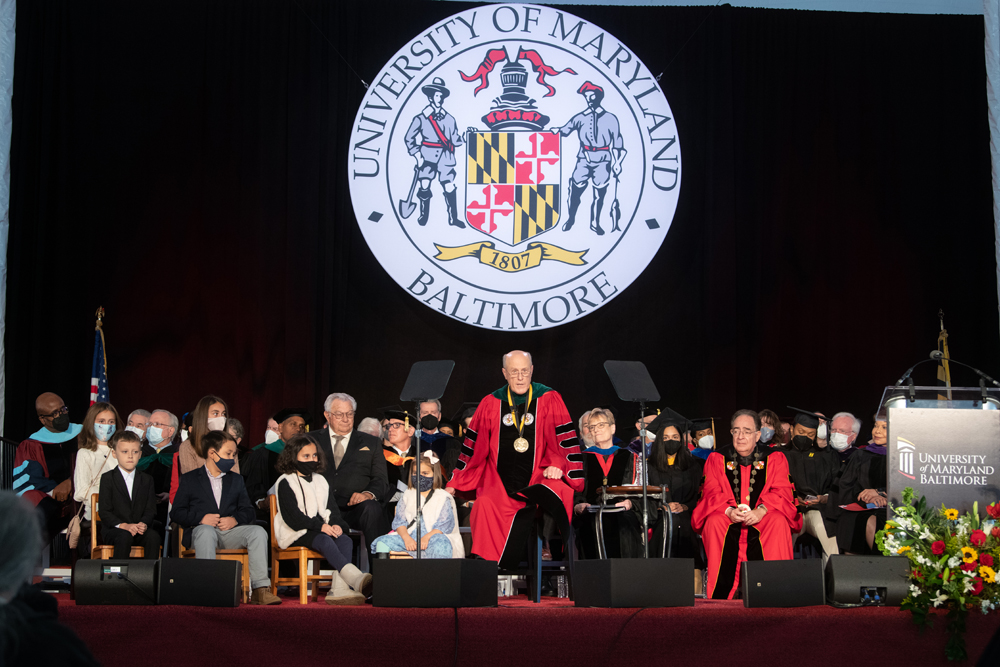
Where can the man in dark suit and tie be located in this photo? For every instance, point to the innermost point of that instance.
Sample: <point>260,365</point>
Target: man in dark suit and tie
<point>212,503</point>
<point>355,469</point>
<point>126,502</point>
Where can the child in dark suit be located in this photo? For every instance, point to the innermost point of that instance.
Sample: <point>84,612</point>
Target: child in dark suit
<point>127,504</point>
<point>213,506</point>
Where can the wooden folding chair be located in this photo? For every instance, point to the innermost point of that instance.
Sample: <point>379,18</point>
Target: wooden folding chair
<point>306,557</point>
<point>104,551</point>
<point>241,555</point>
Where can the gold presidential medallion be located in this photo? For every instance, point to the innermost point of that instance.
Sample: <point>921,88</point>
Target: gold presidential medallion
<point>520,445</point>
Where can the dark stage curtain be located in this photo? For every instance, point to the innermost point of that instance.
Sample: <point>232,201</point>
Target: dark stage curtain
<point>183,164</point>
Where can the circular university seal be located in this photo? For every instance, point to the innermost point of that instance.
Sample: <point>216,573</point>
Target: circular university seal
<point>514,167</point>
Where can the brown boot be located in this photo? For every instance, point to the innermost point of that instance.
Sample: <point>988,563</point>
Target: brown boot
<point>699,584</point>
<point>263,595</point>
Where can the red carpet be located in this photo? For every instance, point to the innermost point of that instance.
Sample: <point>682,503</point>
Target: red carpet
<point>517,632</point>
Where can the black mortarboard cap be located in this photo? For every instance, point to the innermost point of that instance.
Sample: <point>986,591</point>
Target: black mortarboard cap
<point>807,419</point>
<point>389,408</point>
<point>401,415</point>
<point>460,414</point>
<point>701,424</point>
<point>287,413</point>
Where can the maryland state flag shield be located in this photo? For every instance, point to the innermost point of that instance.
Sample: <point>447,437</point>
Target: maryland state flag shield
<point>513,184</point>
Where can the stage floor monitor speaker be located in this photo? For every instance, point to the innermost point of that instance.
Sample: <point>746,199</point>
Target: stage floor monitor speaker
<point>634,582</point>
<point>446,582</point>
<point>200,582</point>
<point>125,581</point>
<point>782,583</point>
<point>867,580</point>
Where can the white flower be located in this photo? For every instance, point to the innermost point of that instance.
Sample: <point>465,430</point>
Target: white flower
<point>923,560</point>
<point>954,562</point>
<point>925,534</point>
<point>968,585</point>
<point>940,599</point>
<point>916,591</point>
<point>987,605</point>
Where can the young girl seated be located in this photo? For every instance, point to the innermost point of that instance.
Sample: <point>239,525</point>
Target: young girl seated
<point>306,519</point>
<point>442,540</point>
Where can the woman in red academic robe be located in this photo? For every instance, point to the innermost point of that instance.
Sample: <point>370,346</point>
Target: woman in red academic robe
<point>747,510</point>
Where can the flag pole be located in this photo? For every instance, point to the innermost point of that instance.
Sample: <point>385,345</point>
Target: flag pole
<point>944,369</point>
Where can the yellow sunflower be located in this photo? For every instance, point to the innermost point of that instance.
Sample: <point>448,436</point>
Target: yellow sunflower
<point>951,515</point>
<point>988,575</point>
<point>969,555</point>
<point>903,550</point>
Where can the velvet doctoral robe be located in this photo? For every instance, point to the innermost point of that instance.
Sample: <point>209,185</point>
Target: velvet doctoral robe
<point>508,485</point>
<point>728,544</point>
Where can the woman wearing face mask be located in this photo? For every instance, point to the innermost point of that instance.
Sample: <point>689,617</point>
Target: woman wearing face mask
<point>93,459</point>
<point>209,415</point>
<point>770,429</point>
<point>673,466</point>
<point>703,435</point>
<point>439,536</point>
<point>306,518</point>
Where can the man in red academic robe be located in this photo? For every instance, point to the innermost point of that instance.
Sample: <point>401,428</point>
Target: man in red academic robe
<point>520,453</point>
<point>43,463</point>
<point>747,510</point>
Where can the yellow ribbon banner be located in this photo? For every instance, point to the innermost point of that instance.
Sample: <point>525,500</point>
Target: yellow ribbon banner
<point>511,261</point>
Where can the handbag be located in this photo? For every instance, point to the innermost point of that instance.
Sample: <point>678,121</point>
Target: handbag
<point>73,529</point>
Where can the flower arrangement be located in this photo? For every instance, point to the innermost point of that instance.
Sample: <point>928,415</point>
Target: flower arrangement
<point>953,560</point>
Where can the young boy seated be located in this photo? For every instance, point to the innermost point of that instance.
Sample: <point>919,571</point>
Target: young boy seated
<point>213,507</point>
<point>126,503</point>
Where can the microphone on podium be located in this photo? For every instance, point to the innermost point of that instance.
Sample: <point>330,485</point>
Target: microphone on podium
<point>938,355</point>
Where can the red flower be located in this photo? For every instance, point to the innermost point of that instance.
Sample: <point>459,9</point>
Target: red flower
<point>993,510</point>
<point>919,574</point>
<point>978,538</point>
<point>937,548</point>
<point>977,585</point>
<point>995,532</point>
<point>986,559</point>
<point>969,567</point>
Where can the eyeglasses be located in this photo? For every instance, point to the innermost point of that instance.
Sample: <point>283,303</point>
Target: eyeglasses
<point>157,425</point>
<point>61,411</point>
<point>520,374</point>
<point>745,432</point>
<point>342,415</point>
<point>599,425</point>
<point>392,426</point>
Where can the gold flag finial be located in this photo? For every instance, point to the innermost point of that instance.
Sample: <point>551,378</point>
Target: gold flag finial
<point>99,314</point>
<point>941,318</point>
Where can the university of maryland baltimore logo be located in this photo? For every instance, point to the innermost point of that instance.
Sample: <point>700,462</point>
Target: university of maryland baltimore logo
<point>514,167</point>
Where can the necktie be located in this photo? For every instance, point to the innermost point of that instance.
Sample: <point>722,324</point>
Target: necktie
<point>338,450</point>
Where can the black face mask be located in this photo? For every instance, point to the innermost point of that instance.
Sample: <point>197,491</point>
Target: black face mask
<point>307,467</point>
<point>429,422</point>
<point>61,423</point>
<point>672,446</point>
<point>802,443</point>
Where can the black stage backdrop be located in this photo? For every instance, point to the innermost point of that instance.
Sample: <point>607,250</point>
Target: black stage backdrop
<point>183,164</point>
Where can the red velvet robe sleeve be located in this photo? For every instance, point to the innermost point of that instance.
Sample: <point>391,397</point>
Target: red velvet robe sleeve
<point>31,450</point>
<point>778,494</point>
<point>560,440</point>
<point>475,453</point>
<point>716,493</point>
<point>175,480</point>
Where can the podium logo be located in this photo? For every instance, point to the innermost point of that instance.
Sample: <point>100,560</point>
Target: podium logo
<point>906,450</point>
<point>514,167</point>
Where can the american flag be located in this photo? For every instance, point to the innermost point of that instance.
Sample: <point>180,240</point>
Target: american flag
<point>99,372</point>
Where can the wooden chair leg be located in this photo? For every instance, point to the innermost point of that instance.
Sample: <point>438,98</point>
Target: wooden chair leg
<point>303,578</point>
<point>274,572</point>
<point>246,578</point>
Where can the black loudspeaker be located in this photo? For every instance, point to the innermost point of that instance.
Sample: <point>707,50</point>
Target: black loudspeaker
<point>883,579</point>
<point>634,582</point>
<point>124,581</point>
<point>446,582</point>
<point>200,582</point>
<point>782,583</point>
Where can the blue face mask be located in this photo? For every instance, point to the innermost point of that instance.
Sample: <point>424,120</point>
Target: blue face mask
<point>225,465</point>
<point>104,431</point>
<point>766,433</point>
<point>422,483</point>
<point>154,435</point>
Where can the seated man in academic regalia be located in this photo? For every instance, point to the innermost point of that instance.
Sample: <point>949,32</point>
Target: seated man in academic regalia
<point>746,511</point>
<point>43,463</point>
<point>398,450</point>
<point>704,438</point>
<point>447,447</point>
<point>606,464</point>
<point>157,459</point>
<point>812,471</point>
<point>857,505</point>
<point>260,472</point>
